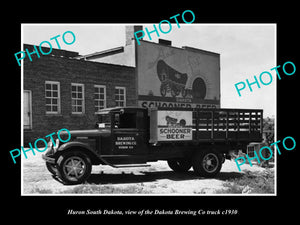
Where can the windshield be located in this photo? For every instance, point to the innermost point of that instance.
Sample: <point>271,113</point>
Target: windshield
<point>104,120</point>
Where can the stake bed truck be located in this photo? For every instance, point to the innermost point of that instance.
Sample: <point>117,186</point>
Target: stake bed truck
<point>131,137</point>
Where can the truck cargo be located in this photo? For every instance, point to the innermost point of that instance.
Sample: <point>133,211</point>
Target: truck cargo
<point>131,136</point>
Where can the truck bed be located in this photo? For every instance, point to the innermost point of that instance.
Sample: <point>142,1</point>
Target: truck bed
<point>227,125</point>
<point>208,125</point>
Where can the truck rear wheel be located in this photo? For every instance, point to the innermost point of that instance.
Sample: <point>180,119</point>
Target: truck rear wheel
<point>207,164</point>
<point>74,167</point>
<point>179,165</point>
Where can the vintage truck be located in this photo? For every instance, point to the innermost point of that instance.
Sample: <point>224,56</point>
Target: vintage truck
<point>132,136</point>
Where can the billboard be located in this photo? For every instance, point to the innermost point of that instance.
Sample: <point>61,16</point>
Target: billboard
<point>177,77</point>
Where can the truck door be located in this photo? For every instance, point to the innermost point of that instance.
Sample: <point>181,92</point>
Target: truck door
<point>129,132</point>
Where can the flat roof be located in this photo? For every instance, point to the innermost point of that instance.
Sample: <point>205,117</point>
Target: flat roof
<point>101,54</point>
<point>184,48</point>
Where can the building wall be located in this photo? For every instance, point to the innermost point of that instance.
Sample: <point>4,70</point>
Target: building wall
<point>63,69</point>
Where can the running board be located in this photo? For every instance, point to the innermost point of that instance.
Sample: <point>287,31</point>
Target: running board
<point>122,165</point>
<point>131,165</point>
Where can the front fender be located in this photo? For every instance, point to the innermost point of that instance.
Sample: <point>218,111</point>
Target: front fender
<point>81,146</point>
<point>73,144</point>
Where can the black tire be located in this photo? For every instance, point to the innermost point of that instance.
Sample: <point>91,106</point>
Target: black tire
<point>163,90</point>
<point>222,158</point>
<point>183,92</point>
<point>180,165</point>
<point>173,93</point>
<point>74,167</point>
<point>51,168</point>
<point>207,164</point>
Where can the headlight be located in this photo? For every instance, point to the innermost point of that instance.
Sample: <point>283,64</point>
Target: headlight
<point>49,148</point>
<point>56,145</point>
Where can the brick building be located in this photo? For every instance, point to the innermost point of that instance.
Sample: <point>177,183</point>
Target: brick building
<point>63,92</point>
<point>65,89</point>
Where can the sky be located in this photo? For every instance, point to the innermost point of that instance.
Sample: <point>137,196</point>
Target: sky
<point>246,50</point>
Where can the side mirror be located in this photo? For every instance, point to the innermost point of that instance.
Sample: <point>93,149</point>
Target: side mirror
<point>117,120</point>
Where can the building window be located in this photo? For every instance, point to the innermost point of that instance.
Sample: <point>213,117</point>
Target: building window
<point>77,94</point>
<point>99,97</point>
<point>52,95</point>
<point>120,96</point>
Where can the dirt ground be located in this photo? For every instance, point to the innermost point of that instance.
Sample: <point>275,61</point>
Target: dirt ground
<point>156,179</point>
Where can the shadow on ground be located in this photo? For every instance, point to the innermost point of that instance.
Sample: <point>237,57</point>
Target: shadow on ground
<point>126,178</point>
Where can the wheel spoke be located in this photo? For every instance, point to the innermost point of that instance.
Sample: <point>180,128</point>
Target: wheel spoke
<point>78,163</point>
<point>70,171</point>
<point>72,161</point>
<point>69,167</point>
<point>75,172</point>
<point>79,169</point>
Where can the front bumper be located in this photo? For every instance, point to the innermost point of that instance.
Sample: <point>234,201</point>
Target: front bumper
<point>50,152</point>
<point>48,159</point>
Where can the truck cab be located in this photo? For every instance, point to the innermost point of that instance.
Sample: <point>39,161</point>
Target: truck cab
<point>120,137</point>
<point>128,134</point>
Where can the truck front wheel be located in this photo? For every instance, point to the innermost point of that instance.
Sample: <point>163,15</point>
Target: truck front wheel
<point>207,164</point>
<point>179,165</point>
<point>74,167</point>
<point>51,168</point>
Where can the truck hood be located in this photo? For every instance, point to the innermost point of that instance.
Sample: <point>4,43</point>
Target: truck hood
<point>87,133</point>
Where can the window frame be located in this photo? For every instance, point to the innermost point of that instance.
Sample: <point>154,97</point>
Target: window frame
<point>58,98</point>
<point>96,100</point>
<point>83,99</point>
<point>118,100</point>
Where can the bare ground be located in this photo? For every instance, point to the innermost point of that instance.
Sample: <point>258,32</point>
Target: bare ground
<point>156,179</point>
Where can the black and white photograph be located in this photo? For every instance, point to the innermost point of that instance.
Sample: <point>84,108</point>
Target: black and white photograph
<point>108,112</point>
